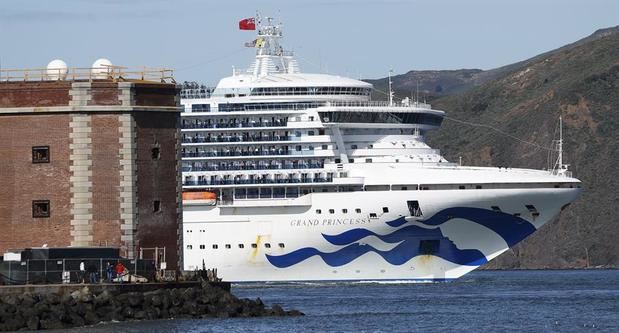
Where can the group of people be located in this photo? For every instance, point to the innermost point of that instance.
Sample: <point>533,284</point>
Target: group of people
<point>91,272</point>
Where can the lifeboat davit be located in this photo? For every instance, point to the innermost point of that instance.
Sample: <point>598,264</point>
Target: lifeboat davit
<point>199,198</point>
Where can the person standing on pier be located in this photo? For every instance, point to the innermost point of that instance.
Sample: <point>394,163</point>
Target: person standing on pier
<point>81,275</point>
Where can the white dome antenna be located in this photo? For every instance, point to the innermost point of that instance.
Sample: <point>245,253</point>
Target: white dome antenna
<point>56,70</point>
<point>101,68</point>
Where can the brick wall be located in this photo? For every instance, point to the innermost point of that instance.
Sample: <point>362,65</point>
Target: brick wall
<point>105,180</point>
<point>21,181</point>
<point>157,180</point>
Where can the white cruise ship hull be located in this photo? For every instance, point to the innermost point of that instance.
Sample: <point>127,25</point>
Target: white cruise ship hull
<point>457,232</point>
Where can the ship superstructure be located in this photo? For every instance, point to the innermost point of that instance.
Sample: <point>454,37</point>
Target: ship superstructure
<point>297,176</point>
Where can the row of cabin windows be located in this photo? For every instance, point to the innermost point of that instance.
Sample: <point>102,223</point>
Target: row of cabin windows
<point>345,211</point>
<point>240,245</point>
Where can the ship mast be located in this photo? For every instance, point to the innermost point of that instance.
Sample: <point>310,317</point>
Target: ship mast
<point>390,88</point>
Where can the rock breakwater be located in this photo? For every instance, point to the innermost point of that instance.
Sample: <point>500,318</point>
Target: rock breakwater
<point>87,306</point>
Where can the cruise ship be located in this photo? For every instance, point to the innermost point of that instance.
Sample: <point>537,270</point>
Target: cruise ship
<point>290,176</point>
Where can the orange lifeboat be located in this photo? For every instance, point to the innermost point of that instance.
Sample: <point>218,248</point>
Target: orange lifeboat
<point>199,198</point>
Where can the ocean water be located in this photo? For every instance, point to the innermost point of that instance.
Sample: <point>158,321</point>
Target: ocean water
<point>483,301</point>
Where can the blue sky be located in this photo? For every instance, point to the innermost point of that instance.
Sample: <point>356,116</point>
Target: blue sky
<point>201,41</point>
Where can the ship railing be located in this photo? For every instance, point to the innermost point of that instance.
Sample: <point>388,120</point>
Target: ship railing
<point>254,167</point>
<point>281,123</point>
<point>308,180</point>
<point>103,73</point>
<point>237,153</point>
<point>377,104</point>
<point>202,139</point>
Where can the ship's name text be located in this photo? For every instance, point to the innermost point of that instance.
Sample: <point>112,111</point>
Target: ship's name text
<point>327,222</point>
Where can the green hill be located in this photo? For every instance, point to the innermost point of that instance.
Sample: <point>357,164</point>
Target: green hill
<point>579,81</point>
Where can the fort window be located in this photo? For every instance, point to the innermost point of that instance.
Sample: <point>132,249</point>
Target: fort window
<point>40,154</point>
<point>156,206</point>
<point>155,153</point>
<point>40,208</point>
<point>429,246</point>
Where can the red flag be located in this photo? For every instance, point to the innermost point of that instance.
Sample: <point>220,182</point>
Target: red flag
<point>247,24</point>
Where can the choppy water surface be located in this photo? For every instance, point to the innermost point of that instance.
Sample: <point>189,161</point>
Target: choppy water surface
<point>550,301</point>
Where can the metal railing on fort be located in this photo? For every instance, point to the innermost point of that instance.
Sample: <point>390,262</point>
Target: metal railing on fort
<point>107,73</point>
<point>39,271</point>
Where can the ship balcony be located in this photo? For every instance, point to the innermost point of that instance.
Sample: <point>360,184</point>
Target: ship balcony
<point>278,166</point>
<point>241,124</point>
<point>242,155</point>
<point>260,181</point>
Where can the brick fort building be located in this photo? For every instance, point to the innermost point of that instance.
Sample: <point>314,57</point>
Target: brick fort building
<point>90,158</point>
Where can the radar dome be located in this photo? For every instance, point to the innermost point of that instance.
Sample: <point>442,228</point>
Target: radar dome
<point>101,68</point>
<point>57,70</point>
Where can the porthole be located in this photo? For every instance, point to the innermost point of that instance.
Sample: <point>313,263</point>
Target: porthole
<point>228,246</point>
<point>254,245</point>
<point>215,246</point>
<point>267,245</point>
<point>281,245</point>
<point>241,246</point>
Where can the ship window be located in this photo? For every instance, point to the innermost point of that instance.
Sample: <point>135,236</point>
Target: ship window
<point>358,210</point>
<point>310,147</point>
<point>281,245</point>
<point>321,132</point>
<point>337,160</point>
<point>311,118</point>
<point>496,208</point>
<point>325,147</point>
<point>267,245</point>
<point>368,160</point>
<point>373,215</point>
<point>344,210</point>
<point>310,133</point>
<point>351,160</point>
<point>478,187</point>
<point>532,210</point>
<point>413,208</point>
<point>40,154</point>
<point>385,209</point>
<point>298,148</point>
<point>318,211</point>
<point>202,246</point>
<point>228,246</point>
<point>254,245</point>
<point>297,133</point>
<point>429,246</point>
<point>40,208</point>
<point>461,187</point>
<point>331,211</point>
<point>353,146</point>
<point>189,247</point>
<point>215,246</point>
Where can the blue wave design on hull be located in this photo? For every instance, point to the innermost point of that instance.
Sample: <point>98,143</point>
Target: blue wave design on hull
<point>511,228</point>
